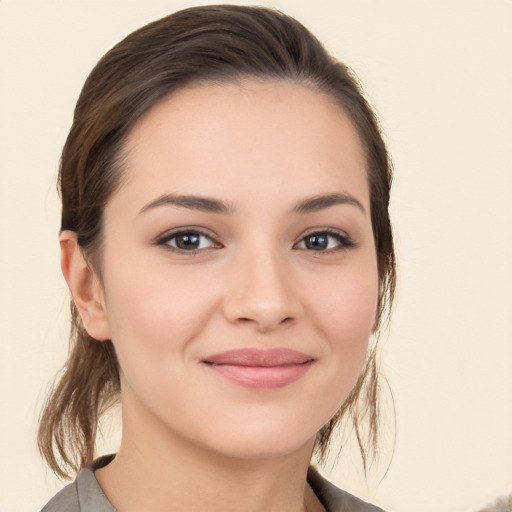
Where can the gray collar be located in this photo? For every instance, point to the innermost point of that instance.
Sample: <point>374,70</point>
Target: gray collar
<point>90,495</point>
<point>92,499</point>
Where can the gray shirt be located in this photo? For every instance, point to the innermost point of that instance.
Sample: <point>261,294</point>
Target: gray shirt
<point>85,494</point>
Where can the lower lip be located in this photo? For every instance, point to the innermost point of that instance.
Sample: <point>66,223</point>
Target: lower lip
<point>262,377</point>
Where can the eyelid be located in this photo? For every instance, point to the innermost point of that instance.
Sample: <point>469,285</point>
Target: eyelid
<point>345,241</point>
<point>164,238</point>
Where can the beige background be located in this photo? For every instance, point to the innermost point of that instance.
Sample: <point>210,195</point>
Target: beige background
<point>440,76</point>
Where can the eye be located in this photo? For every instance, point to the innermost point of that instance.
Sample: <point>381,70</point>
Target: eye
<point>187,240</point>
<point>325,241</point>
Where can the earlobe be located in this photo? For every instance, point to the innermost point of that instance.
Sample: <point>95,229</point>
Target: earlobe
<point>84,285</point>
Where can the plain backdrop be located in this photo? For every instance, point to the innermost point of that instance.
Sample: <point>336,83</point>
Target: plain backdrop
<point>439,74</point>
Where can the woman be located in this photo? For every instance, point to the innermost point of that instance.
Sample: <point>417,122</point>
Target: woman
<point>226,241</point>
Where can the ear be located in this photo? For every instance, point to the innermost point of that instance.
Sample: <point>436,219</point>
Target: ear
<point>84,285</point>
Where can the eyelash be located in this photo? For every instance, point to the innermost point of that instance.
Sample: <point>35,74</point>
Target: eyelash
<point>343,241</point>
<point>165,239</point>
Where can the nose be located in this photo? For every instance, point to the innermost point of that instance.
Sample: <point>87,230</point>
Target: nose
<point>261,292</point>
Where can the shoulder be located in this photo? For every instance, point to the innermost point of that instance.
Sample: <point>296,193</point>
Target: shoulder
<point>335,499</point>
<point>65,500</point>
<point>83,495</point>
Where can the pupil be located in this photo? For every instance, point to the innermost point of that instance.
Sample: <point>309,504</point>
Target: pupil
<point>316,242</point>
<point>187,241</point>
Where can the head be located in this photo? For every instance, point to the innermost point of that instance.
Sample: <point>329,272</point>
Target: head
<point>217,47</point>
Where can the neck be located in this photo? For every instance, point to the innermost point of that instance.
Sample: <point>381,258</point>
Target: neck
<point>162,472</point>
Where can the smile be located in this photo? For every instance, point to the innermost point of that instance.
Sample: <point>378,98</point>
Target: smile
<point>263,369</point>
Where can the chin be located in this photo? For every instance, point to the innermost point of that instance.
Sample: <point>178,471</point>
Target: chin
<point>263,441</point>
<point>268,450</point>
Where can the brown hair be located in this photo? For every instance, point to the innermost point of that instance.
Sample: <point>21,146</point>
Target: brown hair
<point>213,43</point>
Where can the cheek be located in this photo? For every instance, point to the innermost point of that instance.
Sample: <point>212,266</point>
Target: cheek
<point>344,313</point>
<point>151,310</point>
<point>152,317</point>
<point>345,306</point>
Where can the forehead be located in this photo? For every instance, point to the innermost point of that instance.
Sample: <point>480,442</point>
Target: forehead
<point>273,138</point>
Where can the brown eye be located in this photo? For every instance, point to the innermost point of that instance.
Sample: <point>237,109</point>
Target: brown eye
<point>325,241</point>
<point>187,241</point>
<point>317,242</point>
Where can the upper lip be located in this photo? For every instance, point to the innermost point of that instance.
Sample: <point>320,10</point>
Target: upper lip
<point>259,357</point>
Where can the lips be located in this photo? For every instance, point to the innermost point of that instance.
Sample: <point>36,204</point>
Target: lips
<point>264,369</point>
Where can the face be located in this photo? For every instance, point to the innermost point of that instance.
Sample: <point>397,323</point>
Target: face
<point>239,271</point>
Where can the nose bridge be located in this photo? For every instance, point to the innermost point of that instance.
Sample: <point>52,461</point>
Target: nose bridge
<point>261,290</point>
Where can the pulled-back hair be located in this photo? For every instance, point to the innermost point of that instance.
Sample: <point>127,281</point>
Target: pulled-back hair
<point>202,44</point>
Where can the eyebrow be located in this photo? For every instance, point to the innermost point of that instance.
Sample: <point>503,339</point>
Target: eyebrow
<point>211,205</point>
<point>320,202</point>
<point>203,204</point>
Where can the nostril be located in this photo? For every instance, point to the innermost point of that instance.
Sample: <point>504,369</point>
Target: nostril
<point>265,311</point>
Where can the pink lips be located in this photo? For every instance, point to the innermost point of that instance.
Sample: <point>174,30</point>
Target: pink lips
<point>264,369</point>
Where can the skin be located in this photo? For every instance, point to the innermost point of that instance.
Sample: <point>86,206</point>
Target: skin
<point>193,440</point>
